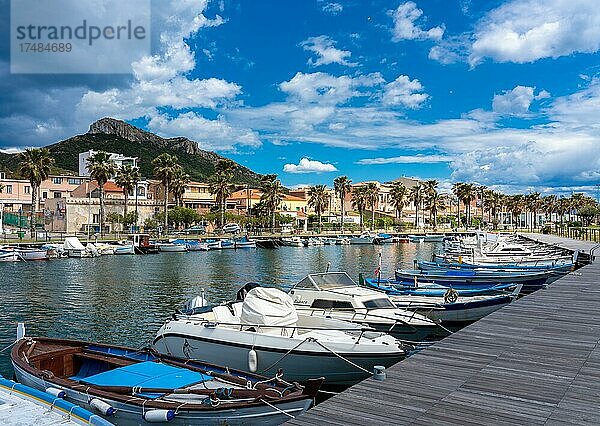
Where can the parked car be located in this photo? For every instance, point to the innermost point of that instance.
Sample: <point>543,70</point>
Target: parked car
<point>195,230</point>
<point>232,228</point>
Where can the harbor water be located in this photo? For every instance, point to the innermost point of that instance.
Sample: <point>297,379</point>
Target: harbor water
<point>124,299</point>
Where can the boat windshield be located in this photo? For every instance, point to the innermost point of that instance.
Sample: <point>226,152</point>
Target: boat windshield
<point>326,281</point>
<point>378,304</point>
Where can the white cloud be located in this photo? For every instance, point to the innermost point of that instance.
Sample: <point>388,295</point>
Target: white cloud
<point>333,8</point>
<point>516,101</point>
<point>309,166</point>
<point>406,159</point>
<point>405,92</point>
<point>527,30</point>
<point>406,27</point>
<point>327,53</point>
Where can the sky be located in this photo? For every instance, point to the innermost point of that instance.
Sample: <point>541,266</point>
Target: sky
<point>502,93</point>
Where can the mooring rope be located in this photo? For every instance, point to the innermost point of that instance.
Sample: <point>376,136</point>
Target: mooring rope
<point>342,358</point>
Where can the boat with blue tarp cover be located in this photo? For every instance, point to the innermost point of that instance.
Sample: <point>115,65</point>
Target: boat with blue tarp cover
<point>560,269</point>
<point>24,405</point>
<point>137,387</point>
<point>392,286</point>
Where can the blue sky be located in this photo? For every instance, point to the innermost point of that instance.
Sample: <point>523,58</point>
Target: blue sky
<point>503,93</point>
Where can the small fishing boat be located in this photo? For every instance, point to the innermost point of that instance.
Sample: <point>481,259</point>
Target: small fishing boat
<point>336,295</point>
<point>531,280</point>
<point>139,387</point>
<point>213,244</point>
<point>192,245</point>
<point>262,331</point>
<point>227,244</point>
<point>124,249</point>
<point>10,256</point>
<point>142,244</point>
<point>268,243</point>
<point>244,242</point>
<point>313,241</point>
<point>383,239</point>
<point>73,247</point>
<point>451,307</point>
<point>365,238</point>
<point>433,289</point>
<point>342,241</point>
<point>172,247</point>
<point>428,238</point>
<point>31,253</point>
<point>292,242</point>
<point>23,405</point>
<point>400,240</point>
<point>425,265</point>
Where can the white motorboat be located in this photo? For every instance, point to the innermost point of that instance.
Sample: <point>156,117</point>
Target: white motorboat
<point>227,244</point>
<point>264,333</point>
<point>292,242</point>
<point>245,242</point>
<point>125,249</point>
<point>73,247</point>
<point>342,241</point>
<point>365,238</point>
<point>10,256</point>
<point>313,241</point>
<point>32,253</point>
<point>336,295</point>
<point>172,247</point>
<point>214,244</point>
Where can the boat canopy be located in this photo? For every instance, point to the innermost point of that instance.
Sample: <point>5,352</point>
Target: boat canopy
<point>73,243</point>
<point>326,281</point>
<point>268,306</point>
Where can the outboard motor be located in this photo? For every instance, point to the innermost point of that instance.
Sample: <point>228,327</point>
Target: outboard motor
<point>242,292</point>
<point>193,305</point>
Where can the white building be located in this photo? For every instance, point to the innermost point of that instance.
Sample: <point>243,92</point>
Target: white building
<point>118,159</point>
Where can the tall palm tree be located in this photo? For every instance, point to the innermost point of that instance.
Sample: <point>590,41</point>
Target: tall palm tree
<point>457,190</point>
<point>532,201</point>
<point>430,189</point>
<point>359,201</point>
<point>127,178</point>
<point>220,185</point>
<point>398,194</point>
<point>272,195</point>
<point>101,169</point>
<point>165,167</point>
<point>342,186</point>
<point>416,195</point>
<point>179,184</point>
<point>493,202</point>
<point>549,206</point>
<point>469,192</point>
<point>435,203</point>
<point>516,205</point>
<point>35,165</point>
<point>372,194</point>
<point>318,198</point>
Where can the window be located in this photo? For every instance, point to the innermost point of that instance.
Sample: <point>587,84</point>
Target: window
<point>8,189</point>
<point>331,304</point>
<point>96,218</point>
<point>378,303</point>
<point>57,195</point>
<point>44,195</point>
<point>2,175</point>
<point>141,191</point>
<point>73,181</point>
<point>57,180</point>
<point>27,189</point>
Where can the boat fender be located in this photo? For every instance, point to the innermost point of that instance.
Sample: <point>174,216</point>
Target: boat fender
<point>379,372</point>
<point>252,361</point>
<point>59,393</point>
<point>102,407</point>
<point>158,416</point>
<point>20,330</point>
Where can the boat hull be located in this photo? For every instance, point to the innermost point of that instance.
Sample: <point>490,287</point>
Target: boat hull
<point>125,250</point>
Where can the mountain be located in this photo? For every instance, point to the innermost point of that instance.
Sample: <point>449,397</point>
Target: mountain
<point>111,135</point>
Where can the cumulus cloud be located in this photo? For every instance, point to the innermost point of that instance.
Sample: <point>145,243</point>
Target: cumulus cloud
<point>332,8</point>
<point>527,30</point>
<point>309,166</point>
<point>327,53</point>
<point>516,101</point>
<point>406,27</point>
<point>405,92</point>
<point>406,159</point>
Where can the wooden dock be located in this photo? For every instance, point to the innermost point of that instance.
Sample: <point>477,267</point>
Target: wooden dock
<point>536,361</point>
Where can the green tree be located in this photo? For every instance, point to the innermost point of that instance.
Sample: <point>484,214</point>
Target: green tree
<point>372,194</point>
<point>272,195</point>
<point>435,203</point>
<point>35,166</point>
<point>101,169</point>
<point>179,184</point>
<point>416,196</point>
<point>127,178</point>
<point>220,185</point>
<point>318,199</point>
<point>359,201</point>
<point>342,187</point>
<point>398,194</point>
<point>165,167</point>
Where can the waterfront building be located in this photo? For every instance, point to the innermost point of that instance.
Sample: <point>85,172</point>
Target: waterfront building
<point>118,159</point>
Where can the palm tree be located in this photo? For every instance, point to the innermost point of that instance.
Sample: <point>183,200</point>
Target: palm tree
<point>165,167</point>
<point>532,201</point>
<point>416,195</point>
<point>220,185</point>
<point>101,169</point>
<point>515,204</point>
<point>435,203</point>
<point>549,206</point>
<point>318,198</point>
<point>35,166</point>
<point>342,186</point>
<point>398,193</point>
<point>372,194</point>
<point>430,188</point>
<point>127,178</point>
<point>179,184</point>
<point>493,202</point>
<point>468,194</point>
<point>359,201</point>
<point>272,195</point>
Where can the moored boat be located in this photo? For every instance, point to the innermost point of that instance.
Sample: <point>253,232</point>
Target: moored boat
<point>10,256</point>
<point>138,387</point>
<point>171,247</point>
<point>365,238</point>
<point>292,242</point>
<point>124,249</point>
<point>32,253</point>
<point>244,242</point>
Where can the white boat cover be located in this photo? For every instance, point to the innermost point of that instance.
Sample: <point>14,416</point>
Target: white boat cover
<point>73,243</point>
<point>268,306</point>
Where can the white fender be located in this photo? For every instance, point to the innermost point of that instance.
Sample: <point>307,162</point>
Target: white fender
<point>20,330</point>
<point>102,407</point>
<point>252,361</point>
<point>59,393</point>
<point>159,416</point>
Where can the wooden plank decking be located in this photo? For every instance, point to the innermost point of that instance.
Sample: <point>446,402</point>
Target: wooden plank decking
<point>536,361</point>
